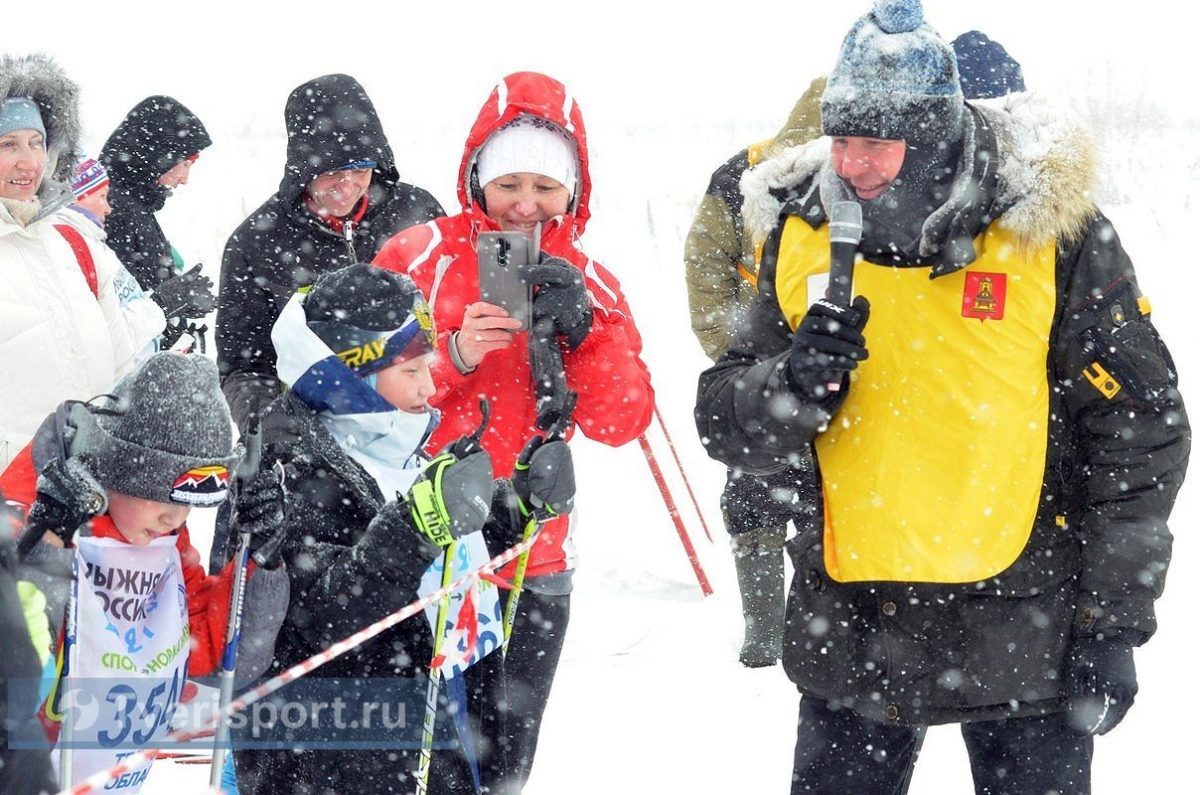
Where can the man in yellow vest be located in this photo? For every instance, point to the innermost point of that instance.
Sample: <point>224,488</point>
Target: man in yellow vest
<point>998,448</point>
<point>721,267</point>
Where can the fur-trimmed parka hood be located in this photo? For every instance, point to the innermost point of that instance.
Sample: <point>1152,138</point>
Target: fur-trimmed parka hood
<point>38,77</point>
<point>1046,174</point>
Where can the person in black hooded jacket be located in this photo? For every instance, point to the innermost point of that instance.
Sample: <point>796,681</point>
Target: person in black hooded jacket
<point>340,199</point>
<point>147,156</point>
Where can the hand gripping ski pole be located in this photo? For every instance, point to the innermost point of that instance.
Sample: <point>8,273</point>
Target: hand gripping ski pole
<point>245,473</point>
<point>537,516</point>
<point>428,725</point>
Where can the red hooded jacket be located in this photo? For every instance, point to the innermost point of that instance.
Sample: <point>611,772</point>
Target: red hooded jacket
<point>615,397</point>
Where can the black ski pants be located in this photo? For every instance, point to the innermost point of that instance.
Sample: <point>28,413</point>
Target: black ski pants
<point>839,751</point>
<point>534,649</point>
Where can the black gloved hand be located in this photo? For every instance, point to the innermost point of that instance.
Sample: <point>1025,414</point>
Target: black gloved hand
<point>1101,682</point>
<point>67,497</point>
<point>186,295</point>
<point>561,294</point>
<point>282,431</point>
<point>544,478</point>
<point>827,345</point>
<point>453,495</point>
<point>259,510</point>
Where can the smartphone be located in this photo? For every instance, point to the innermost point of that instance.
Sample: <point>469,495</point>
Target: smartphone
<point>501,257</point>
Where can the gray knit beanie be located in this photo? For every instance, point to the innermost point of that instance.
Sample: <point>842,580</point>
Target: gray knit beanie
<point>895,79</point>
<point>168,436</point>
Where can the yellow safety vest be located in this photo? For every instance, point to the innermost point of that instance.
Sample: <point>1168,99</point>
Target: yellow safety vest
<point>932,469</point>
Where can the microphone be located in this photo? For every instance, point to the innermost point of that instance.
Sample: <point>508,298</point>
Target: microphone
<point>845,233</point>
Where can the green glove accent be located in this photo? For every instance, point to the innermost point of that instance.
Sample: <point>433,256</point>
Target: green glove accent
<point>428,508</point>
<point>33,602</point>
<point>452,497</point>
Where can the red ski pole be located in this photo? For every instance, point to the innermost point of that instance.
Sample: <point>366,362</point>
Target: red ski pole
<point>671,509</point>
<point>679,464</point>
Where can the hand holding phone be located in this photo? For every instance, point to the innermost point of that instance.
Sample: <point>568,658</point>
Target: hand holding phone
<point>485,328</point>
<point>502,258</point>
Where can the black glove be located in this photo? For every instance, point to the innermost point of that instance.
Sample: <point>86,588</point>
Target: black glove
<point>1101,682</point>
<point>186,295</point>
<point>544,478</point>
<point>282,431</point>
<point>561,295</point>
<point>67,497</point>
<point>258,510</point>
<point>452,496</point>
<point>827,345</point>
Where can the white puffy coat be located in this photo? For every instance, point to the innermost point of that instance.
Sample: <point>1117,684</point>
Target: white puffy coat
<point>58,341</point>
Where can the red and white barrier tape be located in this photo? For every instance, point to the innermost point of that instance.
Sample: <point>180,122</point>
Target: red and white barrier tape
<point>98,780</point>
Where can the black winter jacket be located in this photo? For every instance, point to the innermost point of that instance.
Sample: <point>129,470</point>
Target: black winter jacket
<point>1097,554</point>
<point>346,573</point>
<point>155,136</point>
<point>281,246</point>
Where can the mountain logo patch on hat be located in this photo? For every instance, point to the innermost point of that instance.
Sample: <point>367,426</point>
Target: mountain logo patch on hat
<point>201,486</point>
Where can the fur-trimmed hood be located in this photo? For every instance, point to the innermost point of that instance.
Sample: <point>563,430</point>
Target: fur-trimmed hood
<point>1047,173</point>
<point>38,77</point>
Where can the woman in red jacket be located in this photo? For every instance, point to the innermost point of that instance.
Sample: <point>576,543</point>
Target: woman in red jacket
<point>525,164</point>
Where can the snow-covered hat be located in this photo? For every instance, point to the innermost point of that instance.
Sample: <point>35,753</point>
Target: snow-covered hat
<point>90,176</point>
<point>167,437</point>
<point>985,69</point>
<point>533,145</point>
<point>369,317</point>
<point>895,78</point>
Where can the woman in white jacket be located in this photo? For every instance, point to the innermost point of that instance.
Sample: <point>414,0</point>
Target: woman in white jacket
<point>72,319</point>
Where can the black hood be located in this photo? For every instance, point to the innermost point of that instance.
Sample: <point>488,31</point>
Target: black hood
<point>331,122</point>
<point>152,138</point>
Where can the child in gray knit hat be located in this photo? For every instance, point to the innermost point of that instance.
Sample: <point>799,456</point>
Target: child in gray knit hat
<point>130,466</point>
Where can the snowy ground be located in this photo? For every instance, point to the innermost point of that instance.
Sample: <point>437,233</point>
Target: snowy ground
<point>649,697</point>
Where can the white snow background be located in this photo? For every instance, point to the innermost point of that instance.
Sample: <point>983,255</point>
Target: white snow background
<point>649,697</point>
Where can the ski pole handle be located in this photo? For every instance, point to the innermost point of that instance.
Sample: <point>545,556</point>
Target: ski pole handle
<point>252,459</point>
<point>247,469</point>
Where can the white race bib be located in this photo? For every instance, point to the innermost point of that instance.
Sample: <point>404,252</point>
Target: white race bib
<point>131,652</point>
<point>474,625</point>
